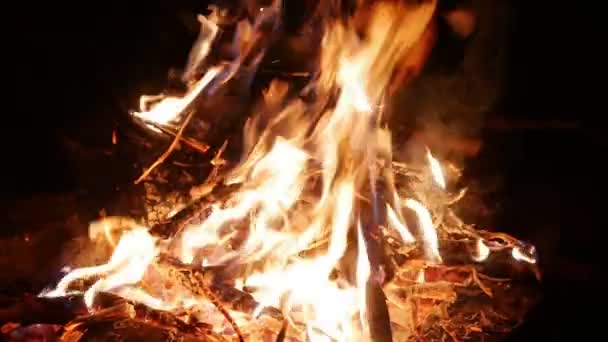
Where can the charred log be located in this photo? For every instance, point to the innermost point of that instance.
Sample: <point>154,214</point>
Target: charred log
<point>195,212</point>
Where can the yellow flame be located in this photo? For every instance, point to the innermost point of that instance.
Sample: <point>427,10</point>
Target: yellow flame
<point>107,226</point>
<point>428,230</point>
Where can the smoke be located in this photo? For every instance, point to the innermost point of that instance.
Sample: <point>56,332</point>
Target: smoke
<point>463,80</point>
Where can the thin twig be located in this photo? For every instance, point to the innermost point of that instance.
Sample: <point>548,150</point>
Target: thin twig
<point>218,305</point>
<point>201,147</point>
<point>474,277</point>
<point>194,279</point>
<point>449,332</point>
<point>164,156</point>
<point>480,284</point>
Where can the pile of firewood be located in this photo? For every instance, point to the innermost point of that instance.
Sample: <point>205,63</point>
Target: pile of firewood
<point>455,300</point>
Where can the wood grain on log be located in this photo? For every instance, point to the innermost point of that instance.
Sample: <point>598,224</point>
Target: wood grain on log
<point>196,211</point>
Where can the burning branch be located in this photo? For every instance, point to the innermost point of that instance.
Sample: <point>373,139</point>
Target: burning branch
<point>201,147</point>
<point>197,211</point>
<point>164,156</point>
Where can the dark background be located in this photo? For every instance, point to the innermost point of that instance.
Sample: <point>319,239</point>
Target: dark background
<point>74,70</point>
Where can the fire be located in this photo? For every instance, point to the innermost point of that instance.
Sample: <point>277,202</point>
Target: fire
<point>436,171</point>
<point>134,252</point>
<point>307,180</point>
<point>169,108</point>
<point>428,229</point>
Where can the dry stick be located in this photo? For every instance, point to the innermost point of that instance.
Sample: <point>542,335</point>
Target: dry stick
<point>164,156</point>
<point>282,332</point>
<point>450,333</point>
<point>378,313</point>
<point>194,279</point>
<point>218,305</point>
<point>201,147</point>
<point>480,284</point>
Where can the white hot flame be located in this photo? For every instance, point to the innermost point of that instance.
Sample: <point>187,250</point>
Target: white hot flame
<point>517,254</point>
<point>428,229</point>
<point>134,252</point>
<point>170,108</point>
<point>482,251</point>
<point>436,170</point>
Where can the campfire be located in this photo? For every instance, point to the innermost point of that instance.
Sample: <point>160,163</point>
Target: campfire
<point>319,231</point>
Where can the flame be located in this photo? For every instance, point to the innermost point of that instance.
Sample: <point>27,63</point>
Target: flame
<point>169,108</point>
<point>436,169</point>
<point>134,252</point>
<point>482,251</point>
<point>525,256</point>
<point>397,223</point>
<point>162,110</point>
<point>429,234</point>
<point>301,184</point>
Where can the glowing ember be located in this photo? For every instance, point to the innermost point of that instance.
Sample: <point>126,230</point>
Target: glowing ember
<point>306,182</point>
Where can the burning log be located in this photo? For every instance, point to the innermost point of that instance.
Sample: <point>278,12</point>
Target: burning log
<point>196,211</point>
<point>371,239</point>
<point>205,282</point>
<point>378,317</point>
